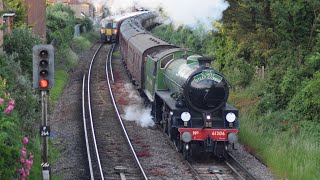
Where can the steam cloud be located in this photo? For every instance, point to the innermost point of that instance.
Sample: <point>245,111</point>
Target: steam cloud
<point>181,12</point>
<point>136,111</point>
<point>139,114</point>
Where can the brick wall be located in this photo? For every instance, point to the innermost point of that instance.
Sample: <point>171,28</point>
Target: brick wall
<point>36,18</point>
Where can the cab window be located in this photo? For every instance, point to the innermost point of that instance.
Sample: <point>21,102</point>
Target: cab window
<point>165,60</point>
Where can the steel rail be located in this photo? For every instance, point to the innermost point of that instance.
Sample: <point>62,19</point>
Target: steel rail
<point>239,165</point>
<point>118,114</point>
<point>234,170</point>
<point>194,171</point>
<point>90,113</point>
<point>85,128</point>
<point>110,65</point>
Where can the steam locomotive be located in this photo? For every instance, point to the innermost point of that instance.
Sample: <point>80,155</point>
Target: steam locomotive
<point>188,97</point>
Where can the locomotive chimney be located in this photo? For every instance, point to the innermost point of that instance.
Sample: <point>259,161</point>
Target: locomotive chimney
<point>205,61</point>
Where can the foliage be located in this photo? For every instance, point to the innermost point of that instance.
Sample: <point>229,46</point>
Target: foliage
<point>239,74</point>
<point>66,58</point>
<point>182,36</point>
<point>18,7</point>
<point>60,24</point>
<point>9,147</point>
<point>86,23</point>
<point>91,36</point>
<point>19,85</point>
<point>284,37</point>
<point>81,43</point>
<point>307,100</point>
<point>21,120</point>
<point>280,35</point>
<point>20,42</point>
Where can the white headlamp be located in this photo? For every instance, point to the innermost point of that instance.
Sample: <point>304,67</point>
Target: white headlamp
<point>231,117</point>
<point>185,116</point>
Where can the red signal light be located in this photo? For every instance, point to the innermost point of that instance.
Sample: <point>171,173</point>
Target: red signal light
<point>44,83</point>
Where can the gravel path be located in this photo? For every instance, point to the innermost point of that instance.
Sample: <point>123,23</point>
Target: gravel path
<point>67,125</point>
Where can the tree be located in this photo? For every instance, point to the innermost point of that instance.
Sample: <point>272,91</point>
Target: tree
<point>18,7</point>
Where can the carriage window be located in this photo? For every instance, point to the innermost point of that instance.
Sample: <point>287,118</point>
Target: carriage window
<point>155,69</point>
<point>114,25</point>
<point>165,60</point>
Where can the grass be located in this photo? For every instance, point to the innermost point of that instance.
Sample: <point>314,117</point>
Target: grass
<point>116,54</point>
<point>288,157</point>
<point>288,145</point>
<point>60,79</point>
<point>81,42</point>
<point>92,36</point>
<point>36,170</point>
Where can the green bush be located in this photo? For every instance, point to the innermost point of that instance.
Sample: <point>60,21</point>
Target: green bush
<point>86,23</point>
<point>21,121</point>
<point>271,96</point>
<point>181,36</point>
<point>307,100</point>
<point>81,43</point>
<point>21,41</point>
<point>92,36</point>
<point>9,138</point>
<point>289,85</point>
<point>66,58</point>
<point>312,63</point>
<point>60,24</point>
<point>20,86</point>
<point>239,74</point>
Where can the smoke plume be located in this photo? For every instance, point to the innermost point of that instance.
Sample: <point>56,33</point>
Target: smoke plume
<point>181,12</point>
<point>136,110</point>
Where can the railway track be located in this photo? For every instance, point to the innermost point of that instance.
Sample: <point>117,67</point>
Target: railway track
<point>226,169</point>
<point>110,153</point>
<point>205,167</point>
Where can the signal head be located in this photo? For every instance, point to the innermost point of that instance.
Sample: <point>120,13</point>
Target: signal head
<point>43,67</point>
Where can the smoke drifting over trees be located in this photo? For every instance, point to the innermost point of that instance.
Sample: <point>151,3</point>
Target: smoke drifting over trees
<point>180,12</point>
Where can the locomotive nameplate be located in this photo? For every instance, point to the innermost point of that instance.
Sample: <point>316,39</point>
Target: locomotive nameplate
<point>199,134</point>
<point>209,75</point>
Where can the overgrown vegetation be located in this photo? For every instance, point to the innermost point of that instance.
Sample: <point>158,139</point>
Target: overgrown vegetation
<point>17,7</point>
<point>21,37</point>
<point>19,103</point>
<point>279,114</point>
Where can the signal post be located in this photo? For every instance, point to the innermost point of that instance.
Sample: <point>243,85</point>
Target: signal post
<point>43,80</point>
